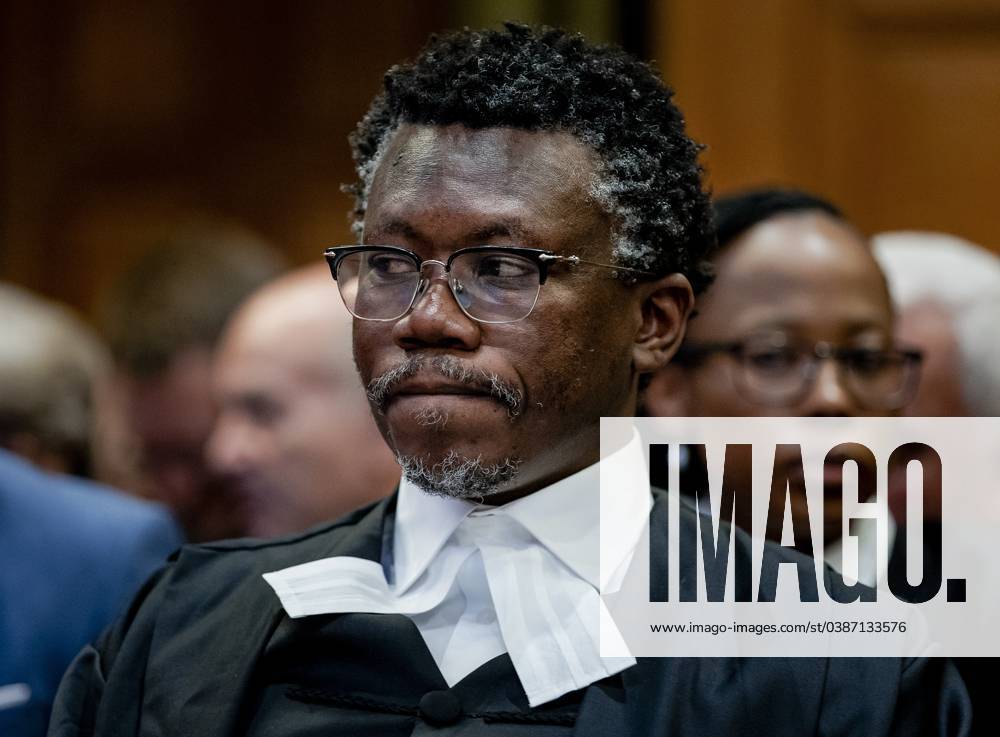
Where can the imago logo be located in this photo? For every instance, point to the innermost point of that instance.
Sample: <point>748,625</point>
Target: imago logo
<point>789,514</point>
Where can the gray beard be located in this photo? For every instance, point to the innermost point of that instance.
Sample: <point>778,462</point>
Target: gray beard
<point>458,476</point>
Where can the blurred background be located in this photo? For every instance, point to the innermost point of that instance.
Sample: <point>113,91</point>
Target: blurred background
<point>119,119</point>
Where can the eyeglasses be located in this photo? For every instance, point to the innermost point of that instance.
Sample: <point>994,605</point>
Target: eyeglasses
<point>491,284</point>
<point>778,372</point>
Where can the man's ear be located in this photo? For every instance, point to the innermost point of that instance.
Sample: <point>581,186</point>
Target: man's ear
<point>666,305</point>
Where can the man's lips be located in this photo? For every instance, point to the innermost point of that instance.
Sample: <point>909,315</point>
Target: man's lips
<point>437,388</point>
<point>442,378</point>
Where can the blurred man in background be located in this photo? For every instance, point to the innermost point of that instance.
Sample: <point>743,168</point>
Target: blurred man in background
<point>947,297</point>
<point>294,439</point>
<point>52,366</point>
<point>947,293</point>
<point>163,321</point>
<point>798,322</point>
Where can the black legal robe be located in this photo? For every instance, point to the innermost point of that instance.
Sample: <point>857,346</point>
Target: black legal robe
<point>206,649</point>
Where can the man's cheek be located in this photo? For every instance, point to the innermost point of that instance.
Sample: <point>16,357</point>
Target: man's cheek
<point>383,427</point>
<point>363,358</point>
<point>558,379</point>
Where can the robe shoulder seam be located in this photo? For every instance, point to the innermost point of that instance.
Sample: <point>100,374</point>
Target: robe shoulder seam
<point>252,543</point>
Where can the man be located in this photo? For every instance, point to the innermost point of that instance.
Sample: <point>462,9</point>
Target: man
<point>947,295</point>
<point>795,279</point>
<point>162,321</point>
<point>294,440</point>
<point>797,323</point>
<point>533,227</point>
<point>71,555</point>
<point>52,368</point>
<point>947,292</point>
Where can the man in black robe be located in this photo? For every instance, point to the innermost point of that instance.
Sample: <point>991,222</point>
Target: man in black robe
<point>534,231</point>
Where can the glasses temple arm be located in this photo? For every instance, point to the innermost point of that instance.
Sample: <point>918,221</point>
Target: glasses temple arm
<point>576,260</point>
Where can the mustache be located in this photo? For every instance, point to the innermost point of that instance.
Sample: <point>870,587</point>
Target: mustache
<point>381,388</point>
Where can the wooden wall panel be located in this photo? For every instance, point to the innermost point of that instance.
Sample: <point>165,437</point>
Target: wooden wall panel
<point>890,107</point>
<point>119,118</point>
<point>923,11</point>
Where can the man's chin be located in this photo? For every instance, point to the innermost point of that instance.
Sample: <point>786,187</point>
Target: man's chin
<point>434,435</point>
<point>463,476</point>
<point>458,446</point>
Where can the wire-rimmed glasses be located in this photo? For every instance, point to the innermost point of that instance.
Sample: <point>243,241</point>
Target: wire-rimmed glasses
<point>491,284</point>
<point>777,371</point>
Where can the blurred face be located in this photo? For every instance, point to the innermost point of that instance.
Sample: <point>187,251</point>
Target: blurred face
<point>569,362</point>
<point>797,279</point>
<point>294,441</point>
<point>929,326</point>
<point>169,417</point>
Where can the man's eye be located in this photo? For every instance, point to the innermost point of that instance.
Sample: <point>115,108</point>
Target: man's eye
<point>871,361</point>
<point>774,360</point>
<point>389,264</point>
<point>504,267</point>
<point>261,410</point>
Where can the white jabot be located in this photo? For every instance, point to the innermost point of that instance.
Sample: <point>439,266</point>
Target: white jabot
<point>478,581</point>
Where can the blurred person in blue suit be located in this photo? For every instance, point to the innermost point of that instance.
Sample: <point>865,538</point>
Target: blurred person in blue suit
<point>71,555</point>
<point>71,552</point>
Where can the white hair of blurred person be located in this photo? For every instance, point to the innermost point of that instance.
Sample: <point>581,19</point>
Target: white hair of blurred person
<point>977,327</point>
<point>51,369</point>
<point>947,293</point>
<point>294,438</point>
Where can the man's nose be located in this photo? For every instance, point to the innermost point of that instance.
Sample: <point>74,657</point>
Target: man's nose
<point>436,320</point>
<point>829,396</point>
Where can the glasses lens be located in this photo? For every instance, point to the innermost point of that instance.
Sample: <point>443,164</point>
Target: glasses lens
<point>377,284</point>
<point>774,372</point>
<point>881,379</point>
<point>495,286</point>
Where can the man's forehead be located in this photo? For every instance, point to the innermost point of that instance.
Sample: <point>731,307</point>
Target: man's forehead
<point>502,182</point>
<point>801,266</point>
<point>747,295</point>
<point>795,251</point>
<point>503,160</point>
<point>515,148</point>
<point>497,228</point>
